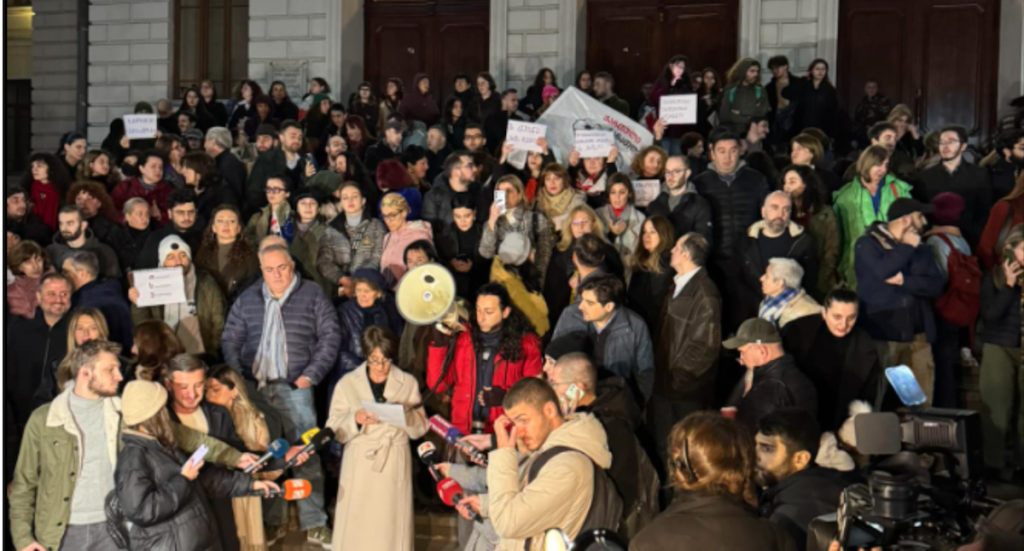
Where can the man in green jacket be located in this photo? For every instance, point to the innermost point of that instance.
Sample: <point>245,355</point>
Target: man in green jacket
<point>744,97</point>
<point>69,453</point>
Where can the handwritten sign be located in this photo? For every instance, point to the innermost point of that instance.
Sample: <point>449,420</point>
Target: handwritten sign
<point>139,127</point>
<point>646,191</point>
<point>293,75</point>
<point>524,135</point>
<point>594,143</point>
<point>679,109</point>
<point>159,287</point>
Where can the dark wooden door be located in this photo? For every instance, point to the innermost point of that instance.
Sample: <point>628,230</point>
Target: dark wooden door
<point>936,56</point>
<point>634,40</point>
<point>17,125</point>
<point>439,38</point>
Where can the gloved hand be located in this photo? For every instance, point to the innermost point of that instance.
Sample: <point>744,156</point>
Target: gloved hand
<point>491,397</point>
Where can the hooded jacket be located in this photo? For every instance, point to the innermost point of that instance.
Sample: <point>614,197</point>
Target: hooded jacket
<point>521,511</point>
<point>855,212</point>
<point>418,107</point>
<point>742,101</point>
<point>109,264</point>
<point>698,521</point>
<point>735,206</point>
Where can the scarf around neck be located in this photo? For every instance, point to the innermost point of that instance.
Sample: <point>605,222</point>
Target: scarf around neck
<point>272,357</point>
<point>771,307</point>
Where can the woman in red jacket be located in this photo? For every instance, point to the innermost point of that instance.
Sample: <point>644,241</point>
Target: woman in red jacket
<point>495,352</point>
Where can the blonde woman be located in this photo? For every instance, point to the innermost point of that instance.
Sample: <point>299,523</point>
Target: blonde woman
<point>86,324</point>
<point>401,233</point>
<point>518,217</point>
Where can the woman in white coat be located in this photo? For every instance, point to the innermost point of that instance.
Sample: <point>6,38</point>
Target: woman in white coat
<point>375,492</point>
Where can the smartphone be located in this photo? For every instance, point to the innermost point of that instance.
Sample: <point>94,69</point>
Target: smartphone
<point>198,455</point>
<point>499,199</point>
<point>311,160</point>
<point>573,395</point>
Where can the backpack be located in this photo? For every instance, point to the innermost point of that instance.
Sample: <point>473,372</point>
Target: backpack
<point>961,302</point>
<point>605,507</point>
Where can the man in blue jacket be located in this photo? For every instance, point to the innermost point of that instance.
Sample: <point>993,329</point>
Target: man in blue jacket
<point>898,281</point>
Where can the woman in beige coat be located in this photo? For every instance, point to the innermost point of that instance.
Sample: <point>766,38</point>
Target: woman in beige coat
<point>375,492</point>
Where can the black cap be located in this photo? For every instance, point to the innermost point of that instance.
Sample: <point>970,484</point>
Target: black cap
<point>266,130</point>
<point>903,206</point>
<point>307,193</point>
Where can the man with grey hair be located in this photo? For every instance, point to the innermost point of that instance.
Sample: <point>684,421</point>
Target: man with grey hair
<point>218,145</point>
<point>106,295</point>
<point>784,299</point>
<point>774,236</point>
<point>131,238</point>
<point>283,334</point>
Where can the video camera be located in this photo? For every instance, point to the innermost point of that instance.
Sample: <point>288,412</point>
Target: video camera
<point>925,488</point>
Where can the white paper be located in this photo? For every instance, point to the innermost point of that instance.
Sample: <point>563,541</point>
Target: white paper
<point>646,191</point>
<point>524,135</point>
<point>679,109</point>
<point>594,143</point>
<point>159,287</point>
<point>139,127</point>
<point>392,414</point>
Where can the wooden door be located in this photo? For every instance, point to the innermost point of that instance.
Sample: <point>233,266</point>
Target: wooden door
<point>621,41</point>
<point>396,42</point>
<point>705,32</point>
<point>17,125</point>
<point>462,43</point>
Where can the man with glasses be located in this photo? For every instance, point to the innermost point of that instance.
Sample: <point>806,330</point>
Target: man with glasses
<point>285,159</point>
<point>680,202</point>
<point>956,175</point>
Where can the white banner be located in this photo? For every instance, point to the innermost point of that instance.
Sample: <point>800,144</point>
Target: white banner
<point>139,127</point>
<point>159,287</point>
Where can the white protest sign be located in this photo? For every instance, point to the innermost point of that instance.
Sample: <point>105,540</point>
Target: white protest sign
<point>524,135</point>
<point>646,191</point>
<point>679,109</point>
<point>139,127</point>
<point>159,287</point>
<point>594,143</point>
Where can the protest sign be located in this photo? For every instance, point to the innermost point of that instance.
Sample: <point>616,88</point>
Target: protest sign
<point>594,143</point>
<point>524,135</point>
<point>679,109</point>
<point>139,127</point>
<point>159,287</point>
<point>646,191</point>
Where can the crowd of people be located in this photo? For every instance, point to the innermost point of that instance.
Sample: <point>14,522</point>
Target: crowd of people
<point>684,372</point>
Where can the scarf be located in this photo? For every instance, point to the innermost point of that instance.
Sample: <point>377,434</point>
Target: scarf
<point>554,205</point>
<point>593,184</point>
<point>45,203</point>
<point>771,307</point>
<point>174,313</point>
<point>272,357</point>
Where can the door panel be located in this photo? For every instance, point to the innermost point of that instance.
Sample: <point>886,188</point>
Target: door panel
<point>622,41</point>
<point>397,50</point>
<point>705,33</point>
<point>875,45</point>
<point>462,47</point>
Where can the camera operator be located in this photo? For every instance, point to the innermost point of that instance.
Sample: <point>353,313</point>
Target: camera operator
<point>796,490</point>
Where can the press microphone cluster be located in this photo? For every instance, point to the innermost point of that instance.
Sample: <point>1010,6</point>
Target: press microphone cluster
<point>292,490</point>
<point>451,434</point>
<point>276,450</point>
<point>449,490</point>
<point>318,440</point>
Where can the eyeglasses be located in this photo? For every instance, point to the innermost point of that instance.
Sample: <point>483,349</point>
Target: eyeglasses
<point>394,215</point>
<point>276,190</point>
<point>378,363</point>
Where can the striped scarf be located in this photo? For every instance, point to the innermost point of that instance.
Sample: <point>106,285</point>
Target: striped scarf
<point>771,307</point>
<point>271,363</point>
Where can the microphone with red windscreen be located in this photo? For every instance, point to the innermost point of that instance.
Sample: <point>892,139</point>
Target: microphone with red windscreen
<point>449,490</point>
<point>295,489</point>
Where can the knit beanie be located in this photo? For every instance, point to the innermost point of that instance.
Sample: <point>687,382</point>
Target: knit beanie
<point>170,244</point>
<point>141,400</point>
<point>514,249</point>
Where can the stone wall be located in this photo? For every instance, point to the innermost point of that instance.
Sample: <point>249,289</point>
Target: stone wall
<point>19,43</point>
<point>54,71</point>
<point>288,30</point>
<point>533,41</point>
<point>789,28</point>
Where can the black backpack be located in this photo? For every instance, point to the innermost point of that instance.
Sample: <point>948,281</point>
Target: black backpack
<point>605,507</point>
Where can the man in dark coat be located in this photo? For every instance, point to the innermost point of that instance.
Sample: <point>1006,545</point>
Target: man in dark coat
<point>19,221</point>
<point>773,381</point>
<point>1003,172</point>
<point>956,175</point>
<point>388,148</point>
<point>106,295</point>
<point>680,202</point>
<point>283,159</point>
<point>496,125</point>
<point>185,223</point>
<point>218,145</point>
<point>840,358</point>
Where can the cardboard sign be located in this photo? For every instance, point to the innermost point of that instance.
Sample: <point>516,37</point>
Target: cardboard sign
<point>594,143</point>
<point>679,109</point>
<point>646,191</point>
<point>159,287</point>
<point>524,135</point>
<point>139,127</point>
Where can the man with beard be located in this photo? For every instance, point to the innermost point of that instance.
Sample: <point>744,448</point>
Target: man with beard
<point>19,221</point>
<point>75,235</point>
<point>898,282</point>
<point>1009,150</point>
<point>456,180</point>
<point>795,489</point>
<point>285,159</point>
<point>840,358</point>
<point>336,145</point>
<point>496,126</point>
<point>956,175</point>
<point>680,202</point>
<point>185,223</point>
<point>775,236</point>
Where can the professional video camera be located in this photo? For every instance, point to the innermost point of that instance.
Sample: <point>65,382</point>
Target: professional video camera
<point>925,488</point>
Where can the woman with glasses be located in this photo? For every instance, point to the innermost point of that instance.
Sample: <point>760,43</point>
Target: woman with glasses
<point>401,232</point>
<point>276,218</point>
<point>374,508</point>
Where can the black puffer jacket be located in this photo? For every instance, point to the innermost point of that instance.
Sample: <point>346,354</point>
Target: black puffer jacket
<point>734,206</point>
<point>1000,313</point>
<point>167,512</point>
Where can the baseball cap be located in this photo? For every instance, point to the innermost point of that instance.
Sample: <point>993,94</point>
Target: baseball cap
<point>903,206</point>
<point>194,134</point>
<point>266,129</point>
<point>754,331</point>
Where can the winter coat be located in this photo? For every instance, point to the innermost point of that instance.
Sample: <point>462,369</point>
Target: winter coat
<point>815,107</point>
<point>734,207</point>
<point>311,331</point>
<point>233,173</point>
<point>369,112</point>
<point>270,163</point>
<point>620,416</point>
<point>240,268</point>
<point>378,153</point>
<point>375,487</point>
<point>1004,216</point>
<point>662,87</point>
<point>647,291</point>
<point>800,306</point>
<point>557,292</point>
<point>824,228</point>
<point>697,521</point>
<point>461,375</point>
<point>1000,322</point>
<point>109,264</point>
<point>854,212</point>
<point>627,241</point>
<point>615,102</point>
<point>623,348</point>
<point>521,510</point>
<point>969,181</point>
<point>344,250</point>
<point>804,251</point>
<point>352,325</point>
<point>740,102</point>
<point>896,313</point>
<point>686,358</point>
<point>392,259</point>
<point>531,304</point>
<point>213,197</point>
<point>418,107</point>
<point>132,187</point>
<point>870,111</point>
<point>167,511</point>
<point>449,248</point>
<point>29,228</point>
<point>479,109</point>
<point>437,203</point>
<point>21,296</point>
<point>38,346</point>
<point>258,226</point>
<point>108,297</point>
<point>211,309</point>
<point>693,213</point>
<point>41,493</point>
<point>801,497</point>
<point>777,384</point>
<point>128,244</point>
<point>305,248</point>
<point>531,223</point>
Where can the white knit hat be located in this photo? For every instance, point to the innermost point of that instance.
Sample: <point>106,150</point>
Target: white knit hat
<point>170,244</point>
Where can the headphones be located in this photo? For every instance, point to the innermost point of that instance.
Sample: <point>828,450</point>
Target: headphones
<point>683,464</point>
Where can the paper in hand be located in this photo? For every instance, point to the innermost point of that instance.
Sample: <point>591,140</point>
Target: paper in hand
<point>391,414</point>
<point>159,287</point>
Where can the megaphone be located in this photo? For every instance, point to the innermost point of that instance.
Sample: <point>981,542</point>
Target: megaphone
<point>426,294</point>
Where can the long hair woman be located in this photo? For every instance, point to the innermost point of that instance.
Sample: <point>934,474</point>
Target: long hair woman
<point>86,324</point>
<point>155,345</point>
<point>226,251</point>
<point>648,273</point>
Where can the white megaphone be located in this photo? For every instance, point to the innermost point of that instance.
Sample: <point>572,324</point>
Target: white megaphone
<point>426,294</point>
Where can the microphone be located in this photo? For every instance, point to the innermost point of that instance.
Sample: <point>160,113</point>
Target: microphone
<point>449,490</point>
<point>451,434</point>
<point>276,450</point>
<point>426,452</point>
<point>295,489</point>
<point>321,439</point>
<point>307,436</point>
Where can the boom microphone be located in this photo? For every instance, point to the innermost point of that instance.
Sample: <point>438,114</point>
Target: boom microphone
<point>451,434</point>
<point>318,441</point>
<point>295,489</point>
<point>276,450</point>
<point>449,490</point>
